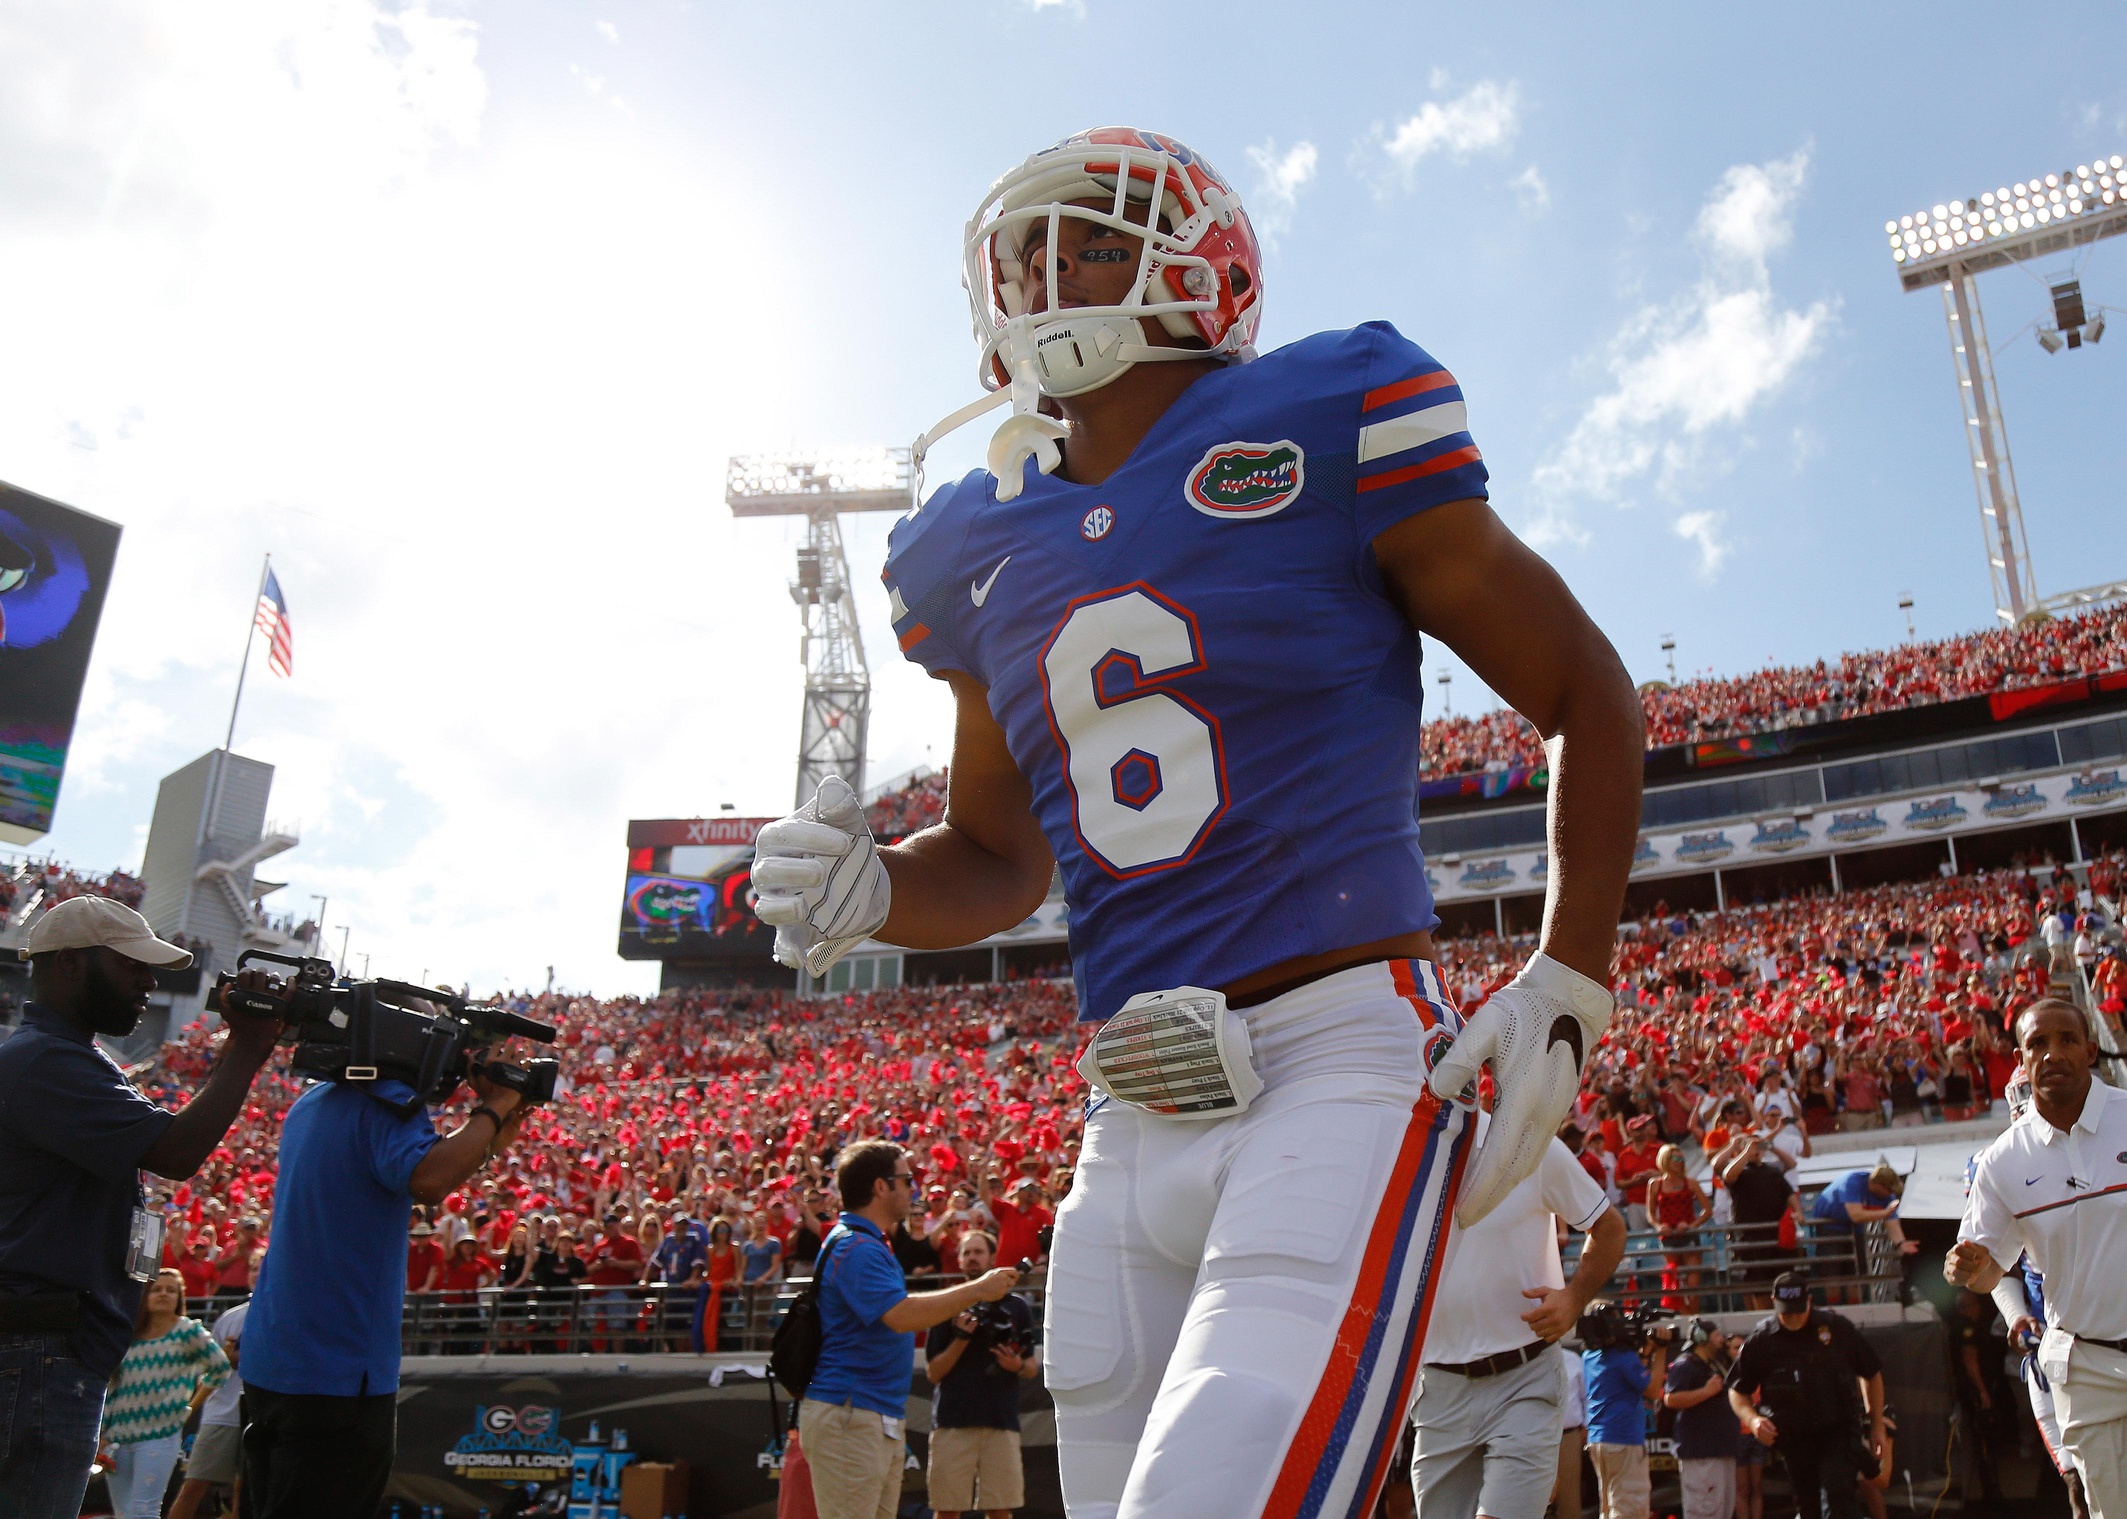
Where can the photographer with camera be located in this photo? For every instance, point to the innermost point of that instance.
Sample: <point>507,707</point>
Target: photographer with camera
<point>1624,1356</point>
<point>975,1364</point>
<point>1800,1386</point>
<point>321,1344</point>
<point>78,1243</point>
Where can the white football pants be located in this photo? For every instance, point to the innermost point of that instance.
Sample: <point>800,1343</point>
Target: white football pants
<point>1236,1306</point>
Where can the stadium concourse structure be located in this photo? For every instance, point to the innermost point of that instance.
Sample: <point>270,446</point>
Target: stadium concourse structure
<point>2033,776</point>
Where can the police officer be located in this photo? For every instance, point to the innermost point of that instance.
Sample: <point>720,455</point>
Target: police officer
<point>1800,1385</point>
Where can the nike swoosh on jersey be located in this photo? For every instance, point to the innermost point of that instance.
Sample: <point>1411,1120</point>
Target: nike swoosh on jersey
<point>981,593</point>
<point>1567,1027</point>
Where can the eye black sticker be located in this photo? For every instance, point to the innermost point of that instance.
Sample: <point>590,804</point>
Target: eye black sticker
<point>1104,256</point>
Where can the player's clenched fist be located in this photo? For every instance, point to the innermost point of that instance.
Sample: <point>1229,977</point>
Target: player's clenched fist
<point>818,879</point>
<point>1537,1031</point>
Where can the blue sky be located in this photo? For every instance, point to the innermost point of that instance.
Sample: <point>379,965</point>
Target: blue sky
<point>460,309</point>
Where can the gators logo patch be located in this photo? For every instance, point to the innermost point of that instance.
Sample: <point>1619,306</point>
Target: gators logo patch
<point>1243,480</point>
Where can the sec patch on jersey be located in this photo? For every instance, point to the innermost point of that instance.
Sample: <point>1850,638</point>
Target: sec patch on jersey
<point>1247,480</point>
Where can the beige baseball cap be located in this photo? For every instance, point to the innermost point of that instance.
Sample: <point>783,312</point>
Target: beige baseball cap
<point>85,922</point>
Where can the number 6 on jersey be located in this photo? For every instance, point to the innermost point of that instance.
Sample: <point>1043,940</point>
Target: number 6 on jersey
<point>1146,767</point>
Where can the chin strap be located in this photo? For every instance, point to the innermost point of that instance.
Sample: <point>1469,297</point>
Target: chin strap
<point>1025,434</point>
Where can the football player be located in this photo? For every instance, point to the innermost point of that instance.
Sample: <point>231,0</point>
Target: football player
<point>1184,653</point>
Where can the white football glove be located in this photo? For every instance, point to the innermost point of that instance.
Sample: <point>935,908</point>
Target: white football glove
<point>1537,1031</point>
<point>818,878</point>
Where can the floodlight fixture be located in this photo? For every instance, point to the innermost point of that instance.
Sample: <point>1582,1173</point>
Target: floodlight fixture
<point>1952,242</point>
<point>2027,219</point>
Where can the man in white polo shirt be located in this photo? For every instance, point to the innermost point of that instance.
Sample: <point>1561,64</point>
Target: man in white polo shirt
<point>2055,1187</point>
<point>1489,1403</point>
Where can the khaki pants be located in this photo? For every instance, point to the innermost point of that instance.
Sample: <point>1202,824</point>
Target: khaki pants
<point>976,1470</point>
<point>1709,1485</point>
<point>856,1467</point>
<point>2090,1397</point>
<point>1621,1476</point>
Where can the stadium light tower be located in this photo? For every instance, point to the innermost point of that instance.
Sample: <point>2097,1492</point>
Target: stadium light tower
<point>819,487</point>
<point>1949,245</point>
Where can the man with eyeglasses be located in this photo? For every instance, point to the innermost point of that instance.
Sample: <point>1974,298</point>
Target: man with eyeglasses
<point>853,1421</point>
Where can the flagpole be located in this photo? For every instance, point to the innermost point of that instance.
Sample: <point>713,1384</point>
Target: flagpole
<point>214,800</point>
<point>250,636</point>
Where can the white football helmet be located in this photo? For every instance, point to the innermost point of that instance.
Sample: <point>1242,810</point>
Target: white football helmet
<point>1200,274</point>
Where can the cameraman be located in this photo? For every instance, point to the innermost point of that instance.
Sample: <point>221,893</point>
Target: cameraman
<point>1814,1372</point>
<point>1624,1381</point>
<point>976,1363</point>
<point>321,1346</point>
<point>77,1242</point>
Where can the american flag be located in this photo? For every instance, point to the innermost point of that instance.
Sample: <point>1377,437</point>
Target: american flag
<point>272,620</point>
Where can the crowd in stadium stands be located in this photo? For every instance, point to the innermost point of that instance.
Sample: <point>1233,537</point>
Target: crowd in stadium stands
<point>1880,680</point>
<point>694,1137</point>
<point>692,1142</point>
<point>45,882</point>
<point>1887,1007</point>
<point>915,806</point>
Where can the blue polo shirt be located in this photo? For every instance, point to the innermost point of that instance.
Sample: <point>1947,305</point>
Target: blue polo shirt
<point>1830,1212</point>
<point>1617,1383</point>
<point>325,1315</point>
<point>862,1362</point>
<point>72,1131</point>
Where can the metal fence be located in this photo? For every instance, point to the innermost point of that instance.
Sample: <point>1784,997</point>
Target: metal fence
<point>1726,1268</point>
<point>647,1320</point>
<point>1730,1267</point>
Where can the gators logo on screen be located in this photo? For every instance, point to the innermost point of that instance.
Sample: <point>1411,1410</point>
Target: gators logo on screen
<point>1247,479</point>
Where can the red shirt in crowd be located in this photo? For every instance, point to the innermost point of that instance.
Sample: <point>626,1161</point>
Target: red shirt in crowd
<point>616,1261</point>
<point>423,1256</point>
<point>1019,1230</point>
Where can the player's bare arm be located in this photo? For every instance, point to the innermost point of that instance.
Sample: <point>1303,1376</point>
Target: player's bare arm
<point>987,866</point>
<point>1463,578</point>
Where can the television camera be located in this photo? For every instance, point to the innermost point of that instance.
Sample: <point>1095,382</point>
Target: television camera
<point>995,1326</point>
<point>369,1031</point>
<point>1610,1326</point>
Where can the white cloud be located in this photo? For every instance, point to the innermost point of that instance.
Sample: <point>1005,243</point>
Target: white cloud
<point>1704,528</point>
<point>1684,370</point>
<point>610,32</point>
<point>1483,118</point>
<point>1529,188</point>
<point>1074,7</point>
<point>296,304</point>
<point>1280,177</point>
<point>1747,219</point>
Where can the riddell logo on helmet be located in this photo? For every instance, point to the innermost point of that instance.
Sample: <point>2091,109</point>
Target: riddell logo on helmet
<point>1244,480</point>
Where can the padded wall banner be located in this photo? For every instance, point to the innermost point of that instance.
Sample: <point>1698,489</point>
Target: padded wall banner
<point>55,566</point>
<point>2099,787</point>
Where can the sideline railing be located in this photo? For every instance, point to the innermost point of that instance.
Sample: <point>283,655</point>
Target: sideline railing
<point>630,1320</point>
<point>1726,1268</point>
<point>1730,1267</point>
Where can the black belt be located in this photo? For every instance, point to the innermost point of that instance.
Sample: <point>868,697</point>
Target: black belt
<point>2119,1345</point>
<point>39,1312</point>
<point>1493,1365</point>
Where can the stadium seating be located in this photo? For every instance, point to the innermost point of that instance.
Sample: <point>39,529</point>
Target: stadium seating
<point>1880,680</point>
<point>1886,1005</point>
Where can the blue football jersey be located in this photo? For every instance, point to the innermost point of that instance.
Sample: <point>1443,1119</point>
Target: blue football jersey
<point>1198,666</point>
